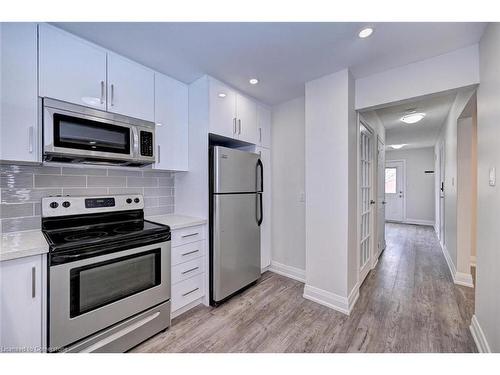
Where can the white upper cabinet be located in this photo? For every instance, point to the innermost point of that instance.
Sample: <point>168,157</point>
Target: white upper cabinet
<point>171,118</point>
<point>19,115</point>
<point>130,88</point>
<point>71,69</point>
<point>264,121</point>
<point>222,109</point>
<point>246,113</point>
<point>21,304</point>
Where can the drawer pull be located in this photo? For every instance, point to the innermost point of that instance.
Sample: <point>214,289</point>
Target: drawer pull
<point>191,291</point>
<point>190,235</point>
<point>190,252</point>
<point>190,270</point>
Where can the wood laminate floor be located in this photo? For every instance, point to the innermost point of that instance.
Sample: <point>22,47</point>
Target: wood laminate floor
<point>408,303</point>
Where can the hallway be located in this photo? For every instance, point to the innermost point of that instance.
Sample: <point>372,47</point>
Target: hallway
<point>408,303</point>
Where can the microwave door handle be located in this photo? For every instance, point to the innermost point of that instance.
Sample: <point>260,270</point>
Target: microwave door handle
<point>135,142</point>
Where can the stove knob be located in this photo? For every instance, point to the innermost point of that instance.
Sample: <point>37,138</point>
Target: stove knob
<point>129,200</point>
<point>54,205</point>
<point>137,200</point>
<point>66,204</point>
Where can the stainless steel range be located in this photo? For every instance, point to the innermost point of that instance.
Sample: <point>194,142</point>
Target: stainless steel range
<point>108,273</point>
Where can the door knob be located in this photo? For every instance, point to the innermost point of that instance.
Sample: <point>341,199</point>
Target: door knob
<point>372,202</point>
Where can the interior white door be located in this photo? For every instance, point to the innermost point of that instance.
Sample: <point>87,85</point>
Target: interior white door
<point>366,200</point>
<point>441,194</point>
<point>171,118</point>
<point>222,103</point>
<point>130,88</point>
<point>246,111</point>
<point>380,196</point>
<point>395,190</point>
<point>71,69</point>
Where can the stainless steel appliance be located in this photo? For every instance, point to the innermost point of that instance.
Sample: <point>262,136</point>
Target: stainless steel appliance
<point>108,273</point>
<point>76,134</point>
<point>236,186</point>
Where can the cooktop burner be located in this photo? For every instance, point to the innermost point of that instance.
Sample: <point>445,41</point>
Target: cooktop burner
<point>84,235</point>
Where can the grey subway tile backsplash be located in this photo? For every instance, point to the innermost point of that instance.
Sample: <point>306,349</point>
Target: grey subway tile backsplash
<point>106,181</point>
<point>23,187</point>
<point>60,181</point>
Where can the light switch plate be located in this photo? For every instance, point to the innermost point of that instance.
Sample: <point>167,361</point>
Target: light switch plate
<point>493,177</point>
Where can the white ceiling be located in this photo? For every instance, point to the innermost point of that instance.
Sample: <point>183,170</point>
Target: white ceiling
<point>282,55</point>
<point>423,133</point>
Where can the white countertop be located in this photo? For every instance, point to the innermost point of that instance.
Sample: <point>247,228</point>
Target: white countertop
<point>177,221</point>
<point>22,244</point>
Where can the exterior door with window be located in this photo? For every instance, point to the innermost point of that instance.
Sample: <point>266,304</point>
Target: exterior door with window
<point>395,190</point>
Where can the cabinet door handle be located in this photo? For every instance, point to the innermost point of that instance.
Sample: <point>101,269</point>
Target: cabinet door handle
<point>189,253</point>
<point>102,92</point>
<point>239,124</point>
<point>159,154</point>
<point>31,137</point>
<point>189,235</point>
<point>191,291</point>
<point>112,95</point>
<point>234,125</point>
<point>260,135</point>
<point>33,282</point>
<point>189,270</point>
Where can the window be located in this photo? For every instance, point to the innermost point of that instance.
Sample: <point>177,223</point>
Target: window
<point>390,180</point>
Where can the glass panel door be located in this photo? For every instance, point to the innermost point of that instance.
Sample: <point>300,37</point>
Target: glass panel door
<point>96,285</point>
<point>366,199</point>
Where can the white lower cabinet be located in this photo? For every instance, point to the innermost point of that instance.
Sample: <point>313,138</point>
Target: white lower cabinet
<point>21,304</point>
<point>188,267</point>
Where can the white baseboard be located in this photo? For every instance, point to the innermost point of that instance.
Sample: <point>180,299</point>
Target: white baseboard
<point>288,271</point>
<point>459,278</point>
<point>419,222</point>
<point>436,229</point>
<point>265,269</point>
<point>479,337</point>
<point>332,300</point>
<point>184,309</point>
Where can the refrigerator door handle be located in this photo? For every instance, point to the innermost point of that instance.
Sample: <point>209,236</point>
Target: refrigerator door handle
<point>258,212</point>
<point>261,167</point>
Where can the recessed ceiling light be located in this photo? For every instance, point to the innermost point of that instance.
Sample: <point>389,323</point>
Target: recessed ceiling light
<point>397,147</point>
<point>221,95</point>
<point>253,81</point>
<point>365,32</point>
<point>412,118</point>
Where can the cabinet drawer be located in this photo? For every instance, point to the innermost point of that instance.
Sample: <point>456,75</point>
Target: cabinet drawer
<point>186,270</point>
<point>187,252</point>
<point>187,291</point>
<point>187,235</point>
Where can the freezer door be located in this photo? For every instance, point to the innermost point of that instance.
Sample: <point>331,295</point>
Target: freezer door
<point>236,243</point>
<point>235,171</point>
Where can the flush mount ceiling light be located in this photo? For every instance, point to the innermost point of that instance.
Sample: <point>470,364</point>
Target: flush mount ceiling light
<point>221,95</point>
<point>412,118</point>
<point>253,81</point>
<point>397,147</point>
<point>365,32</point>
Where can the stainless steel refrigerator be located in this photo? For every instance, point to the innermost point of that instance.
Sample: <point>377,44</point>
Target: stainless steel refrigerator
<point>236,186</point>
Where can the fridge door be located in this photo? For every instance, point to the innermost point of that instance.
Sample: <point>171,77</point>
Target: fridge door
<point>235,171</point>
<point>236,243</point>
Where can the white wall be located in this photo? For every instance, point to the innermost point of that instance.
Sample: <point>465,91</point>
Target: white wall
<point>420,200</point>
<point>331,191</point>
<point>488,155</point>
<point>449,136</point>
<point>288,166</point>
<point>445,72</point>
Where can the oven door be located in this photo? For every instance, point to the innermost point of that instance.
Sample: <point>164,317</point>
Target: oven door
<point>92,294</point>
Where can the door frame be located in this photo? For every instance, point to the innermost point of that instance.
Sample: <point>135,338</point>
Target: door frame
<point>380,177</point>
<point>441,194</point>
<point>363,272</point>
<point>403,161</point>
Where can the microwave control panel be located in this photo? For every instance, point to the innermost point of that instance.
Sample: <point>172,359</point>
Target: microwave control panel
<point>146,141</point>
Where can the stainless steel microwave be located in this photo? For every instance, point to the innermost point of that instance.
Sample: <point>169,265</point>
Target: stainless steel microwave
<point>76,134</point>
